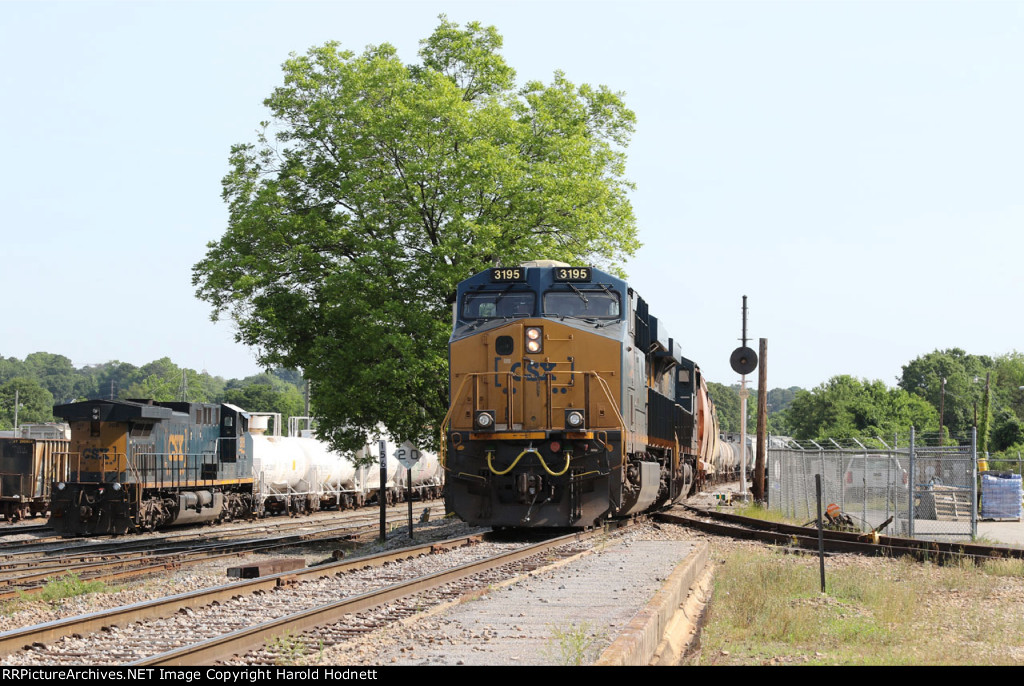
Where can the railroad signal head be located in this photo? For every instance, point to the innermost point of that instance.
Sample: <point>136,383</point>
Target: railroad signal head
<point>743,360</point>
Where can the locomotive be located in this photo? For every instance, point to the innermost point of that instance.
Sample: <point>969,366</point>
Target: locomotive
<point>569,402</point>
<point>139,465</point>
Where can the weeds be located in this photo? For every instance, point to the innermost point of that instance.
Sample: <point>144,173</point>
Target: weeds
<point>289,649</point>
<point>767,609</point>
<point>758,511</point>
<point>572,643</point>
<point>67,586</point>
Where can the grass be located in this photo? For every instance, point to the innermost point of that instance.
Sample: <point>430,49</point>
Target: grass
<point>288,648</point>
<point>758,511</point>
<point>57,588</point>
<point>767,609</point>
<point>66,586</point>
<point>571,644</point>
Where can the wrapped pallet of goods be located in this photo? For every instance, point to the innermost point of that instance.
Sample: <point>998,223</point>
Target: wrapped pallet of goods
<point>1000,495</point>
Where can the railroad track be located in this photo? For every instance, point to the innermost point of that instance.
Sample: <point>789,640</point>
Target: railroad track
<point>213,624</point>
<point>102,563</point>
<point>806,537</point>
<point>82,548</point>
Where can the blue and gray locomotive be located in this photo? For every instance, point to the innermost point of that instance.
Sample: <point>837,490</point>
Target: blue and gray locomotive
<point>569,403</point>
<point>139,465</point>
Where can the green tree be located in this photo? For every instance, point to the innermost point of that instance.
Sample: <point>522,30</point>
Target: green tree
<point>377,186</point>
<point>55,373</point>
<point>161,380</point>
<point>964,388</point>
<point>11,367</point>
<point>845,407</point>
<point>36,403</point>
<point>264,398</point>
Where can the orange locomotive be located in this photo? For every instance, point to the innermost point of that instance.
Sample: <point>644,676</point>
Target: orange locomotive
<point>569,403</point>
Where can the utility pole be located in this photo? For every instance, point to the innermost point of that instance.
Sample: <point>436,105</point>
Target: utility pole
<point>942,410</point>
<point>762,421</point>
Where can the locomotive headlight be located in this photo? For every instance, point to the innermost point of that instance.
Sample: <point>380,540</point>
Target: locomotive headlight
<point>61,485</point>
<point>116,486</point>
<point>483,420</point>
<point>575,420</point>
<point>534,339</point>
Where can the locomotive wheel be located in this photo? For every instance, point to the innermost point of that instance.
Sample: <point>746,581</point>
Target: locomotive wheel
<point>687,479</point>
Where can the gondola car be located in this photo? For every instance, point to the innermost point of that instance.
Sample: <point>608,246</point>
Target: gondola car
<point>569,403</point>
<point>139,465</point>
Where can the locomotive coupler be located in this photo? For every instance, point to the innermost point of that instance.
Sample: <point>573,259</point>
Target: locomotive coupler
<point>528,487</point>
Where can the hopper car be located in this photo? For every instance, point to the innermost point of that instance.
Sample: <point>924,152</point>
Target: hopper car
<point>30,463</point>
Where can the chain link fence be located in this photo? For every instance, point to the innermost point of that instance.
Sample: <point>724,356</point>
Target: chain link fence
<point>908,486</point>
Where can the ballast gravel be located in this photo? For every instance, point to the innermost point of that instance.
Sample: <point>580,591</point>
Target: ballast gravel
<point>562,616</point>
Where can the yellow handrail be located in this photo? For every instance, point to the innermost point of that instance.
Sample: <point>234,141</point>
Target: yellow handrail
<point>602,384</point>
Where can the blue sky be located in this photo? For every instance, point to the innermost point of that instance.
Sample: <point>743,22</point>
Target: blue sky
<point>855,168</point>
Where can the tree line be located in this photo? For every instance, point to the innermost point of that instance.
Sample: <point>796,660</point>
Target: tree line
<point>970,391</point>
<point>43,380</point>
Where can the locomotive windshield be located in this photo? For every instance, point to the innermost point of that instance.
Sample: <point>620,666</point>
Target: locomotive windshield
<point>588,304</point>
<point>498,304</point>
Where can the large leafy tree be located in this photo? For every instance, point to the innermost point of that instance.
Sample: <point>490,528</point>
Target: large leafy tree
<point>845,407</point>
<point>964,387</point>
<point>376,186</point>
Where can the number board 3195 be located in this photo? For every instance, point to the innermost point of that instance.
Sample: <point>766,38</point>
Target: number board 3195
<point>505,274</point>
<point>573,274</point>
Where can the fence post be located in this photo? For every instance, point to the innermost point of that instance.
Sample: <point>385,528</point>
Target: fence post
<point>910,486</point>
<point>974,483</point>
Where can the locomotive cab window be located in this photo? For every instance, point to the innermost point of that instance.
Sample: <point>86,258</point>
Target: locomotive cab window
<point>498,304</point>
<point>583,303</point>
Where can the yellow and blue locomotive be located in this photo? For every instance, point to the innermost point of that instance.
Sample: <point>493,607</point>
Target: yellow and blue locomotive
<point>139,465</point>
<point>569,403</point>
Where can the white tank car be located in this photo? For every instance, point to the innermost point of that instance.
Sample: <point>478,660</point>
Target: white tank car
<point>285,475</point>
<point>728,463</point>
<point>299,472</point>
<point>338,481</point>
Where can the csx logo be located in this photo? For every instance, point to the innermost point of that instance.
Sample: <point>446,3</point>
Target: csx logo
<point>532,371</point>
<point>177,445</point>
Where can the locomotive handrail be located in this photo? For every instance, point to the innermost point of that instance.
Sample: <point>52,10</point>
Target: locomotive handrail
<point>510,407</point>
<point>77,456</point>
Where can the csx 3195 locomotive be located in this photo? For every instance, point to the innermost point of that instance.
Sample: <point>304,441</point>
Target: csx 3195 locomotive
<point>568,401</point>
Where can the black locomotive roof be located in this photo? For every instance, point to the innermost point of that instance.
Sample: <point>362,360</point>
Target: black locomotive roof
<point>110,411</point>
